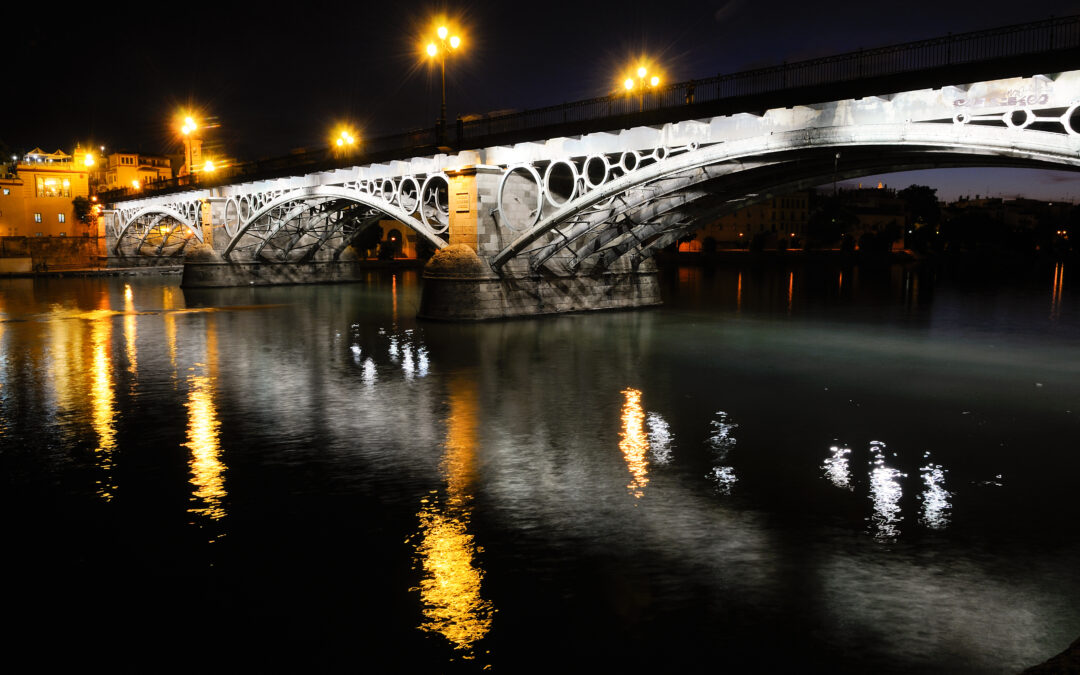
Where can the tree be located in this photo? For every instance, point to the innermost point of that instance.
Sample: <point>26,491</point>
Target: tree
<point>830,222</point>
<point>922,205</point>
<point>83,209</point>
<point>368,240</point>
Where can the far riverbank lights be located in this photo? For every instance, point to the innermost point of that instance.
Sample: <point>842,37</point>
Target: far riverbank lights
<point>640,84</point>
<point>440,50</point>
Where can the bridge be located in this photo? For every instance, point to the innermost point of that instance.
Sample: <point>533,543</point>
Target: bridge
<point>532,214</point>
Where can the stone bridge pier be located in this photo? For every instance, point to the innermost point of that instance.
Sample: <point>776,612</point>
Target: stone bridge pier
<point>461,283</point>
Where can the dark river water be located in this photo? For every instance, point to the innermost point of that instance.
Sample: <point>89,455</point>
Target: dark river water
<point>783,469</point>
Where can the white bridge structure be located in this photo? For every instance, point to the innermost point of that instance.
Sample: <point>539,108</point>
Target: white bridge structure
<point>569,208</point>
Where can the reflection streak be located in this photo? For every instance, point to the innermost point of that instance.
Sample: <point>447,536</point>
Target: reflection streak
<point>935,498</point>
<point>450,588</point>
<point>885,492</point>
<point>130,330</point>
<point>836,468</point>
<point>103,414</point>
<point>1055,294</point>
<point>633,442</point>
<point>207,469</point>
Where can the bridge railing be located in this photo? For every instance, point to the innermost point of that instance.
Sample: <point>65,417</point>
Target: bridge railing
<point>814,77</point>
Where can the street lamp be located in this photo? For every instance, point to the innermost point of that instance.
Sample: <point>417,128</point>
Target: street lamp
<point>640,84</point>
<point>441,49</point>
<point>188,129</point>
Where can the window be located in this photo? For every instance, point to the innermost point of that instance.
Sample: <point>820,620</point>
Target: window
<point>37,217</point>
<point>37,234</point>
<point>53,187</point>
<point>7,191</point>
<point>61,217</point>
<point>63,234</point>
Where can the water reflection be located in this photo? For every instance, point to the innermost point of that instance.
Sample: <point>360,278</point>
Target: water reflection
<point>1055,294</point>
<point>837,467</point>
<point>168,304</point>
<point>103,413</point>
<point>660,439</point>
<point>130,330</point>
<point>935,498</point>
<point>885,492</point>
<point>633,442</point>
<point>450,587</point>
<point>721,441</point>
<point>207,469</point>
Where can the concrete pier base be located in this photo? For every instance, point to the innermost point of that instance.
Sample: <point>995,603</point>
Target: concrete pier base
<point>459,287</point>
<point>221,274</point>
<point>465,299</point>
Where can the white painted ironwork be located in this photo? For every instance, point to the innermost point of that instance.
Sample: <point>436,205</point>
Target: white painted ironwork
<point>624,191</point>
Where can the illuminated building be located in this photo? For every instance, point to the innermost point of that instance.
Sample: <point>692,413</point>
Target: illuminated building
<point>124,169</point>
<point>36,198</point>
<point>782,217</point>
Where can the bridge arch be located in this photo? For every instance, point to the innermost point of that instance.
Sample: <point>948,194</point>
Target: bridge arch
<point>308,218</point>
<point>895,147</point>
<point>134,223</point>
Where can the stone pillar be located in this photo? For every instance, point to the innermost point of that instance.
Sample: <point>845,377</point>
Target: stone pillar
<point>460,284</point>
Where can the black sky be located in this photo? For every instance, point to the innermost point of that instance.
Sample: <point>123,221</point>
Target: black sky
<point>278,77</point>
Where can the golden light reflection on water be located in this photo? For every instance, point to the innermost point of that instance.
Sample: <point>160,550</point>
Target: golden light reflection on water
<point>633,442</point>
<point>1055,294</point>
<point>207,469</point>
<point>167,303</point>
<point>103,413</point>
<point>130,330</point>
<point>450,586</point>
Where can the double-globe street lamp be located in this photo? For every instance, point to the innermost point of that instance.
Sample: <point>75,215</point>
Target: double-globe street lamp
<point>640,84</point>
<point>444,46</point>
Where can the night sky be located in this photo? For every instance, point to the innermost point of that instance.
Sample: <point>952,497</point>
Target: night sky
<point>277,80</point>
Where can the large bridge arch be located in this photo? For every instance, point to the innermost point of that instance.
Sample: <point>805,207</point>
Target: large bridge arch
<point>144,223</point>
<point>308,218</point>
<point>892,147</point>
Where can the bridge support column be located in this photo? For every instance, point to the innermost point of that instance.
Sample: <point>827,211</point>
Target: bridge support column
<point>461,285</point>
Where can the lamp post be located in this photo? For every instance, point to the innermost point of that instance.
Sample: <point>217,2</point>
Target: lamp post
<point>640,85</point>
<point>344,142</point>
<point>187,130</point>
<point>441,49</point>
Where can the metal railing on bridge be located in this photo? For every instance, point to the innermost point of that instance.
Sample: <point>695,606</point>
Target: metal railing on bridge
<point>826,78</point>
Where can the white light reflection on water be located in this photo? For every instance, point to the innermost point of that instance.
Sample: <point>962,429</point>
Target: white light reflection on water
<point>885,492</point>
<point>721,441</point>
<point>837,468</point>
<point>422,361</point>
<point>369,372</point>
<point>935,498</point>
<point>660,439</point>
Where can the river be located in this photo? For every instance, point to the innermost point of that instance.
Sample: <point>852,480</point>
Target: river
<point>783,469</point>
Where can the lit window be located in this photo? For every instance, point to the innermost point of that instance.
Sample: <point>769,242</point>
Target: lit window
<point>7,191</point>
<point>52,187</point>
<point>63,234</point>
<point>61,217</point>
<point>37,218</point>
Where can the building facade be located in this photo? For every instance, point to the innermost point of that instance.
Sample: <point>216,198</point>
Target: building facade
<point>36,195</point>
<point>781,218</point>
<point>129,170</point>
